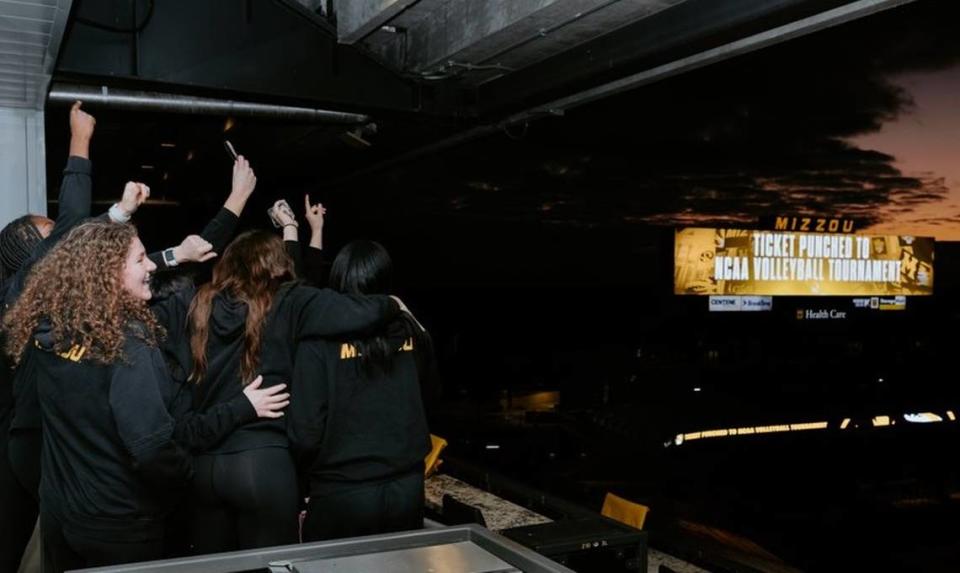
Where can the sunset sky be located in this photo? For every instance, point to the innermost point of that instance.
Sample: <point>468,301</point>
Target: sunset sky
<point>926,143</point>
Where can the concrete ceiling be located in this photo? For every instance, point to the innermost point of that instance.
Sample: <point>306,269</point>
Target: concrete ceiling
<point>478,41</point>
<point>562,55</point>
<point>30,35</point>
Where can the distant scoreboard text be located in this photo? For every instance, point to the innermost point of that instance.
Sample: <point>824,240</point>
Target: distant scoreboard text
<point>748,262</point>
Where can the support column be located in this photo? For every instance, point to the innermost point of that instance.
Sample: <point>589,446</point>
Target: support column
<point>23,172</point>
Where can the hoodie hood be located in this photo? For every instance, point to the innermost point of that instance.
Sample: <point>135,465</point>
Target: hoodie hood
<point>229,316</point>
<point>44,335</point>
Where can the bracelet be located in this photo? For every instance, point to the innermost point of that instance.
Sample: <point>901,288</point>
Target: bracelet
<point>294,225</point>
<point>118,215</point>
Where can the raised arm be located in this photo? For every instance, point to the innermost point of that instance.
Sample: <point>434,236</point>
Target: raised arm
<point>315,216</point>
<point>315,265</point>
<point>74,199</point>
<point>244,182</point>
<point>283,215</point>
<point>76,187</point>
<point>219,231</point>
<point>134,195</point>
<point>82,125</point>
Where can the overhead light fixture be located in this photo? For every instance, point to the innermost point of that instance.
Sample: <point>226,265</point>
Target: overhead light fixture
<point>146,167</point>
<point>168,145</point>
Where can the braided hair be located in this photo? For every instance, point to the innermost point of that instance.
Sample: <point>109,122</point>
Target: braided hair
<point>17,241</point>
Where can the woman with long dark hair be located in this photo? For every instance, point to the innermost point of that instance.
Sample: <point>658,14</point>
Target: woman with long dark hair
<point>356,416</point>
<point>109,459</point>
<point>248,321</point>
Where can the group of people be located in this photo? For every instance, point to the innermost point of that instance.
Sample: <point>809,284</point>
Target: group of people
<point>144,416</point>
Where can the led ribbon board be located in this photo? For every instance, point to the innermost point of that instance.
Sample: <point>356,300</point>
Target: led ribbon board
<point>752,262</point>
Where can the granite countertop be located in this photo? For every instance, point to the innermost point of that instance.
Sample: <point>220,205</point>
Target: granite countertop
<point>656,558</point>
<point>498,513</point>
<point>501,514</point>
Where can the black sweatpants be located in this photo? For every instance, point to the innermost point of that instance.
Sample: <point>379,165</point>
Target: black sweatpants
<point>18,511</point>
<point>244,500</point>
<point>342,509</point>
<point>63,551</point>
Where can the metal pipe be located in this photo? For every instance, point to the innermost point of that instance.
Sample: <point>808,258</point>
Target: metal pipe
<point>133,100</point>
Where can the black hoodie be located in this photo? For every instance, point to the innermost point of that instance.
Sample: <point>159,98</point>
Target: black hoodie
<point>297,312</point>
<point>75,196</point>
<point>196,431</point>
<point>350,424</point>
<point>109,459</point>
<point>192,431</point>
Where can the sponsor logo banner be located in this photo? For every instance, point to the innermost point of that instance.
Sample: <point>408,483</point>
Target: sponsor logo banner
<point>722,303</point>
<point>892,303</point>
<point>898,302</point>
<point>725,303</point>
<point>757,303</point>
<point>821,314</point>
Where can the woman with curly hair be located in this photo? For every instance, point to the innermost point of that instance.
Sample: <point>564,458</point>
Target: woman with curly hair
<point>108,457</point>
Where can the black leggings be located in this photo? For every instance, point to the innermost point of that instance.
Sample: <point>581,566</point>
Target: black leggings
<point>19,511</point>
<point>244,500</point>
<point>353,509</point>
<point>64,551</point>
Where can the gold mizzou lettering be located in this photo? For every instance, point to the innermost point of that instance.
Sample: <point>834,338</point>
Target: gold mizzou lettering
<point>75,353</point>
<point>349,351</point>
<point>820,224</point>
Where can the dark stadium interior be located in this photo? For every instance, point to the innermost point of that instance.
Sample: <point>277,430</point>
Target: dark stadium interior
<point>538,250</point>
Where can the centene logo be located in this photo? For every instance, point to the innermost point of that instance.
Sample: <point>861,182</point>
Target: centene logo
<point>724,303</point>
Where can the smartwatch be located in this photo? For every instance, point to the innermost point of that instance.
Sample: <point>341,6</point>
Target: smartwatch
<point>168,258</point>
